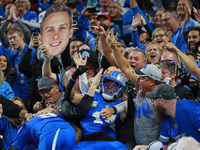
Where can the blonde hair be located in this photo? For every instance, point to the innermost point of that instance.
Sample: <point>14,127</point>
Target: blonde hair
<point>1,77</point>
<point>167,33</point>
<point>16,98</point>
<point>159,48</point>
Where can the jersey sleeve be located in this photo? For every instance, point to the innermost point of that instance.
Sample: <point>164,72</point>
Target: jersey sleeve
<point>164,137</point>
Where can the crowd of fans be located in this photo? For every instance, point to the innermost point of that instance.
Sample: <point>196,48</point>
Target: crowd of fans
<point>100,74</point>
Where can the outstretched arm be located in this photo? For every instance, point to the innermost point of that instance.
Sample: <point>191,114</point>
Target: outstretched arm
<point>121,61</point>
<point>46,67</point>
<point>99,30</point>
<point>188,62</point>
<point>133,3</point>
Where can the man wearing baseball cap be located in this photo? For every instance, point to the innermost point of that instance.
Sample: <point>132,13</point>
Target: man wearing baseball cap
<point>146,126</point>
<point>104,21</point>
<point>50,93</point>
<point>179,118</point>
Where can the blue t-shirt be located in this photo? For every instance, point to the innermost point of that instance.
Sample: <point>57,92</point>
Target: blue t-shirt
<point>186,122</point>
<point>6,90</point>
<point>21,84</point>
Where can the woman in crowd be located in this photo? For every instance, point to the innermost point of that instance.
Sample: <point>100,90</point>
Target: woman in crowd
<point>154,52</point>
<point>9,76</point>
<point>5,88</point>
<point>28,17</point>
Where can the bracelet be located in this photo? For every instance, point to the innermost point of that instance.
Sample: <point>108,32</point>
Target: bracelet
<point>73,79</point>
<point>115,110</point>
<point>27,114</point>
<point>47,61</point>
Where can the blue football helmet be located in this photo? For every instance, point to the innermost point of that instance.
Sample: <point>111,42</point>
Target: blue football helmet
<point>118,78</point>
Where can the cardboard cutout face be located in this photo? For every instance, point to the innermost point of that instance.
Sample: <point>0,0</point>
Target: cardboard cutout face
<point>56,33</point>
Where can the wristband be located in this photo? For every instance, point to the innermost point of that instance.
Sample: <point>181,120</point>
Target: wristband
<point>72,79</point>
<point>115,110</point>
<point>88,97</point>
<point>47,61</point>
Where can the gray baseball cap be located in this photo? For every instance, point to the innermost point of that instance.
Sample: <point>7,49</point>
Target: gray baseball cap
<point>149,70</point>
<point>45,83</point>
<point>164,91</point>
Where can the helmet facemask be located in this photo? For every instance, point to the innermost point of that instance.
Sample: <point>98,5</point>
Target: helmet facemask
<point>113,81</point>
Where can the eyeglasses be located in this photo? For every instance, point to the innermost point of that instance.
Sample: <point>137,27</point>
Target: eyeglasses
<point>42,92</point>
<point>159,35</point>
<point>166,19</point>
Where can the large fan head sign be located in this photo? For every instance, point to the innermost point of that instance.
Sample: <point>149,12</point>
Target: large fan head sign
<point>56,29</point>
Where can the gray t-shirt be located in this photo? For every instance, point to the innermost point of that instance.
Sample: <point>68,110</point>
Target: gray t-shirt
<point>146,126</point>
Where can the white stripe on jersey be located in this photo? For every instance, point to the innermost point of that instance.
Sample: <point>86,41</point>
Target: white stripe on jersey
<point>55,140</point>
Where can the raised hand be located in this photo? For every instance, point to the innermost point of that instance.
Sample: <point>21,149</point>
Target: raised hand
<point>79,60</point>
<point>136,21</point>
<point>99,30</point>
<point>106,113</point>
<point>171,47</point>
<point>85,11</point>
<point>196,14</point>
<point>97,78</point>
<point>45,52</point>
<point>111,39</point>
<point>33,42</point>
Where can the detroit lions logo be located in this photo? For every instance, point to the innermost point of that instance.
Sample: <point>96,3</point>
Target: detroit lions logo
<point>85,53</point>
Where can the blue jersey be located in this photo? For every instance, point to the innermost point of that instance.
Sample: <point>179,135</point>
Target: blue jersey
<point>30,16</point>
<point>178,40</point>
<point>83,35</point>
<point>7,52</point>
<point>21,85</point>
<point>9,132</point>
<point>45,129</point>
<point>100,145</point>
<point>186,123</point>
<point>94,122</point>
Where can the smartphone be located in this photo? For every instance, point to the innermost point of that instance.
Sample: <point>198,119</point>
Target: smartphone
<point>35,35</point>
<point>94,10</point>
<point>75,22</point>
